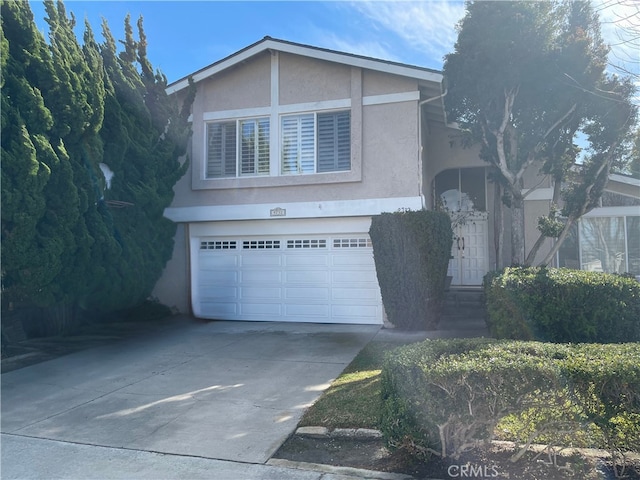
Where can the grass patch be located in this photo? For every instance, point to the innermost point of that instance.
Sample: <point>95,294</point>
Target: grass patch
<point>353,400</point>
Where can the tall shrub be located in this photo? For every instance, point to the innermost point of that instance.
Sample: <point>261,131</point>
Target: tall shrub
<point>70,112</point>
<point>411,252</point>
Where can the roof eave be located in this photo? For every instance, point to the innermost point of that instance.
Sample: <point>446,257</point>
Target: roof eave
<point>269,43</point>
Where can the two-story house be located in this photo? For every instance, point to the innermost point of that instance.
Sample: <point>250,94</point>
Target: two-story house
<point>294,148</point>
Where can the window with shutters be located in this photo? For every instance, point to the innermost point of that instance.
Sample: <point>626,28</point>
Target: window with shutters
<point>238,148</point>
<point>316,143</point>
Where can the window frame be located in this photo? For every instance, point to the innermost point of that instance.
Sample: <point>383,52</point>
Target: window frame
<point>630,255</point>
<point>260,168</point>
<point>313,148</point>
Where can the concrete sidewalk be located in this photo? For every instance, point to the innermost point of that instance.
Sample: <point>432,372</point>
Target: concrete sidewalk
<point>198,400</point>
<point>29,458</point>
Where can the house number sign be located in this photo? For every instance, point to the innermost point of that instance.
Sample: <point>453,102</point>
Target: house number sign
<point>278,212</point>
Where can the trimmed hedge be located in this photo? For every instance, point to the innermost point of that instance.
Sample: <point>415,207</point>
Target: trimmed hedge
<point>562,305</point>
<point>411,252</point>
<point>445,397</point>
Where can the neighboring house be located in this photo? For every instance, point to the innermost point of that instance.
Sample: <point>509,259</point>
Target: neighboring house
<point>294,149</point>
<point>607,239</point>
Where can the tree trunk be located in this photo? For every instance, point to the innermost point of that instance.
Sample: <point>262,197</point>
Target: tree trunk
<point>517,230</point>
<point>558,243</point>
<point>498,226</point>
<point>534,250</point>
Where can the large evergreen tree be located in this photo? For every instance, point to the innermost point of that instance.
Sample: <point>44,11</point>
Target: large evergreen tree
<point>525,78</point>
<point>30,260</point>
<point>144,134</point>
<point>69,113</point>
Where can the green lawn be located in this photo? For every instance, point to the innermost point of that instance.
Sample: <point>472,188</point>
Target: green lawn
<point>353,400</point>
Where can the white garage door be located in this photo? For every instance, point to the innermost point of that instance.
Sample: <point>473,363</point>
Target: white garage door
<point>323,279</point>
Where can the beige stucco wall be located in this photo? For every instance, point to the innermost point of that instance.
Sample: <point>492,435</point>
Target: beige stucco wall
<point>308,80</point>
<point>381,83</point>
<point>627,189</point>
<point>442,151</point>
<point>384,136</point>
<point>172,289</point>
<point>247,85</point>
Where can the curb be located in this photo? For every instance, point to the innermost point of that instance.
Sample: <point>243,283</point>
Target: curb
<point>344,472</point>
<point>324,432</point>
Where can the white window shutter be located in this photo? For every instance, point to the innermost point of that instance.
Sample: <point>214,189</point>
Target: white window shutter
<point>221,150</point>
<point>307,162</point>
<point>334,142</point>
<point>262,146</point>
<point>290,148</point>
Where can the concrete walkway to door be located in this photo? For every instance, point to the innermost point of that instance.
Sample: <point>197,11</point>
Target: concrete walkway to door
<point>229,391</point>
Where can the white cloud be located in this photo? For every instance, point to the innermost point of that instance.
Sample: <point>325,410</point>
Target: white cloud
<point>367,48</point>
<point>427,27</point>
<point>620,24</point>
<point>417,33</point>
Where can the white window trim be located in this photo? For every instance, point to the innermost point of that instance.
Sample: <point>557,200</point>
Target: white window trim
<point>238,121</point>
<point>275,140</point>
<point>315,114</point>
<point>606,212</point>
<point>614,212</point>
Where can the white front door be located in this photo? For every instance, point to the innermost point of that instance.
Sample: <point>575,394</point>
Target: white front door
<point>468,264</point>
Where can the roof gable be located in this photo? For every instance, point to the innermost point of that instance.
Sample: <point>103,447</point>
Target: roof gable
<point>268,43</point>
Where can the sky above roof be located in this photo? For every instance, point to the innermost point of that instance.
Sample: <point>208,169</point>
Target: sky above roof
<point>185,36</point>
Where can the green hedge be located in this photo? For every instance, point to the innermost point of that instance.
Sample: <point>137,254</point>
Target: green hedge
<point>411,252</point>
<point>562,305</point>
<point>444,397</point>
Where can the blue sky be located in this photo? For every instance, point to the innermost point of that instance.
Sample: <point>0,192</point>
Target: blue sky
<point>185,36</point>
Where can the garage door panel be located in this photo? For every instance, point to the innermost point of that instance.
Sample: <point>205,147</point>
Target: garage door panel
<point>261,259</point>
<point>219,310</point>
<point>306,310</point>
<point>215,260</point>
<point>255,310</point>
<point>218,293</point>
<point>306,276</point>
<point>352,277</point>
<point>252,293</point>
<point>260,277</point>
<point>349,294</point>
<point>352,259</point>
<point>307,293</point>
<point>219,277</point>
<point>305,260</point>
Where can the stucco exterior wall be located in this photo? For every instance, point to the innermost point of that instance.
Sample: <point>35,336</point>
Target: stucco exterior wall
<point>441,151</point>
<point>305,80</point>
<point>247,85</point>
<point>172,289</point>
<point>380,83</point>
<point>384,136</point>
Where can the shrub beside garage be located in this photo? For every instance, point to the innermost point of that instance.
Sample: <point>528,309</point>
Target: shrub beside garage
<point>411,252</point>
<point>444,397</point>
<point>562,305</point>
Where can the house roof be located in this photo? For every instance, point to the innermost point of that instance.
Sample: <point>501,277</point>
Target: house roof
<point>424,75</point>
<point>626,179</point>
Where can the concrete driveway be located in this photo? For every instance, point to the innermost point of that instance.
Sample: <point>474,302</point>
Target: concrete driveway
<point>230,391</point>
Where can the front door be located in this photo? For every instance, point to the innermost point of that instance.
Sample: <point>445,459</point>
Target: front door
<point>468,263</point>
<point>462,193</point>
